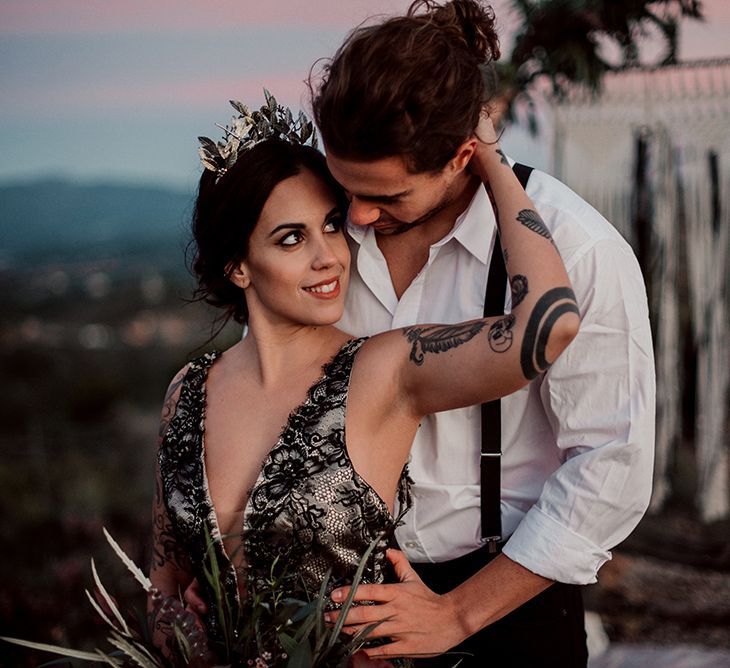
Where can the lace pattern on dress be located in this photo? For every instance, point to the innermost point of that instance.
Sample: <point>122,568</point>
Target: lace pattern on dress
<point>308,506</point>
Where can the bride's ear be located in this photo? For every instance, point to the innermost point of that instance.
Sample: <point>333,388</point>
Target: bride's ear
<point>238,275</point>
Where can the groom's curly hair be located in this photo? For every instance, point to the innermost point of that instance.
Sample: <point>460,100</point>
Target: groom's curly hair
<point>412,85</point>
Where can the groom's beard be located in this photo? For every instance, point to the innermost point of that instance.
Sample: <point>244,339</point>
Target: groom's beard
<point>389,226</point>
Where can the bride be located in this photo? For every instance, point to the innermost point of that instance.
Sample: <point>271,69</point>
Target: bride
<point>271,252</point>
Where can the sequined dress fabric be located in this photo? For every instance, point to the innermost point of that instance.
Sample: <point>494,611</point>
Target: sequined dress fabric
<point>308,506</point>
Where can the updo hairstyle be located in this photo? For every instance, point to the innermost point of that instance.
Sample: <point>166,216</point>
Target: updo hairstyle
<point>413,85</point>
<point>227,210</point>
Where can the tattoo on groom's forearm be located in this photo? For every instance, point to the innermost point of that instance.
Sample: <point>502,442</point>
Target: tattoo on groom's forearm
<point>551,306</point>
<point>531,220</point>
<point>439,338</point>
<point>500,334</point>
<point>502,157</point>
<point>519,288</point>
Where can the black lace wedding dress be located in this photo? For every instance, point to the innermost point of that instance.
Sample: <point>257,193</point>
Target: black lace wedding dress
<point>308,506</point>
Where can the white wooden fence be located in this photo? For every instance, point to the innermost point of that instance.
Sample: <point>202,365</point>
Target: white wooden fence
<point>652,153</point>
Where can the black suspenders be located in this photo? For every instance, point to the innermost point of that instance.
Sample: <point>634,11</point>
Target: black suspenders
<point>491,453</point>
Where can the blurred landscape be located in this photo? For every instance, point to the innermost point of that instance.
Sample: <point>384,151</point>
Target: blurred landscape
<point>94,321</point>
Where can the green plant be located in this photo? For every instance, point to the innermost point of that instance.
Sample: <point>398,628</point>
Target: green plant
<point>275,631</point>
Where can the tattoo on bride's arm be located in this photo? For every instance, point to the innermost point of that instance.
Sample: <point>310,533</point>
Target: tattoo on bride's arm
<point>439,338</point>
<point>502,157</point>
<point>549,308</point>
<point>531,220</point>
<point>165,549</point>
<point>168,406</point>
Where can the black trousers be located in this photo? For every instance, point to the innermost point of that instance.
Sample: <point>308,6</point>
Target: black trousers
<point>546,632</point>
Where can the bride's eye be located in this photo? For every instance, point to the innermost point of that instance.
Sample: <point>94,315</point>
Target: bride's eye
<point>334,224</point>
<point>291,239</point>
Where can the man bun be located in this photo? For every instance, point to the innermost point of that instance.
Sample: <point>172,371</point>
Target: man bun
<point>469,22</point>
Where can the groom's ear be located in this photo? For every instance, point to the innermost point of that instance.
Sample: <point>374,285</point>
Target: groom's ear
<point>462,156</point>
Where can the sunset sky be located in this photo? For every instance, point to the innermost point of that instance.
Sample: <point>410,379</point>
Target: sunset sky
<point>120,89</point>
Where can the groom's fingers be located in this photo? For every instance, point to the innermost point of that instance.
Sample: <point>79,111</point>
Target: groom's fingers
<point>415,619</point>
<point>378,592</point>
<point>382,630</point>
<point>366,592</point>
<point>359,615</point>
<point>402,567</point>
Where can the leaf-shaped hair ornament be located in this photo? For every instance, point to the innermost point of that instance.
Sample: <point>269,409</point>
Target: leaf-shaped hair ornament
<point>271,121</point>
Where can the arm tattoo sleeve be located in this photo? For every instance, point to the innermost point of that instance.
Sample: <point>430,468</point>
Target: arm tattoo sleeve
<point>168,406</point>
<point>531,220</point>
<point>518,286</point>
<point>553,304</point>
<point>165,548</point>
<point>500,334</point>
<point>439,338</point>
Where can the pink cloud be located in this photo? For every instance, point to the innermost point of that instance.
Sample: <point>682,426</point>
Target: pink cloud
<point>105,16</point>
<point>73,98</point>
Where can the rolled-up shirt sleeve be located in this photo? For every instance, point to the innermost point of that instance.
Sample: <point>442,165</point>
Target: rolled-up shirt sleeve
<point>599,397</point>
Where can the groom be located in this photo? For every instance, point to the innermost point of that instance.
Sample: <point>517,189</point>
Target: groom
<point>397,109</point>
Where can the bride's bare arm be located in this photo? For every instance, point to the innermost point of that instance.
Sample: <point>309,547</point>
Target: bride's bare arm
<point>449,366</point>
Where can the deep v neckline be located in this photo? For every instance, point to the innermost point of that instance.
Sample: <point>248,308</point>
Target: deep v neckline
<point>307,505</point>
<point>280,443</point>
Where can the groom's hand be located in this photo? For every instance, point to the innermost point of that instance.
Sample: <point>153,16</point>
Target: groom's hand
<point>418,621</point>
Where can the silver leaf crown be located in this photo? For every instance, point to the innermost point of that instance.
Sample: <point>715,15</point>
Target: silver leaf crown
<point>249,128</point>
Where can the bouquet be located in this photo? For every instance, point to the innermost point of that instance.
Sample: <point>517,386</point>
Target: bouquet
<point>278,631</point>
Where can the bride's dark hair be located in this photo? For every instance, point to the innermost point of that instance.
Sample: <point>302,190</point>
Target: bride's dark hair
<point>228,208</point>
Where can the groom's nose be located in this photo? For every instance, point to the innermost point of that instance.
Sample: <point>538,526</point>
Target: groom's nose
<point>363,213</point>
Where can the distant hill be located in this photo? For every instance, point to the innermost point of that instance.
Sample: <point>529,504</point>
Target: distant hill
<point>48,219</point>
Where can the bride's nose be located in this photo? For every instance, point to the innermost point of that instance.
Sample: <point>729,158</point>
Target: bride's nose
<point>324,254</point>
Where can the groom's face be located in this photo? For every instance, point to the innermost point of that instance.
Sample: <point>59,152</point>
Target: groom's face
<point>384,194</point>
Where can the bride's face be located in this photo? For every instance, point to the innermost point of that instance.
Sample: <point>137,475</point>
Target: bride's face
<point>298,262</point>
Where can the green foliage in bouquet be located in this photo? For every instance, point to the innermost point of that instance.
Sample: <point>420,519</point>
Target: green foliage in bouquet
<point>276,631</point>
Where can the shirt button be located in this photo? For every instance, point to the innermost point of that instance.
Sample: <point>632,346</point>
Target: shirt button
<point>412,544</point>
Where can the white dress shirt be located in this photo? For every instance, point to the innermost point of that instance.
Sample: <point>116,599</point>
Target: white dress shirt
<point>577,442</point>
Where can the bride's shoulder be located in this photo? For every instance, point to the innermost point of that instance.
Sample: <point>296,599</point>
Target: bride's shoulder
<point>188,373</point>
<point>169,404</point>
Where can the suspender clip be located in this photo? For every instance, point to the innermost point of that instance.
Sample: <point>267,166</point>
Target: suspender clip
<point>492,542</point>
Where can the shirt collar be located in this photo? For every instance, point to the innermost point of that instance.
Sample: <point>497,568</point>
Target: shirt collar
<point>474,228</point>
<point>356,232</point>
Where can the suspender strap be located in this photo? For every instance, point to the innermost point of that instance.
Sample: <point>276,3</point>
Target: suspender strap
<point>491,451</point>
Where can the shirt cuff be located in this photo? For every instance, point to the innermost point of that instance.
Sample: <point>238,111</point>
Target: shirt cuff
<point>547,548</point>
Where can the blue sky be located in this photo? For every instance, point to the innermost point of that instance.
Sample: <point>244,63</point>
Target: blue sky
<point>100,90</point>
